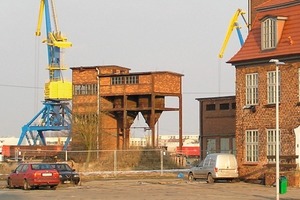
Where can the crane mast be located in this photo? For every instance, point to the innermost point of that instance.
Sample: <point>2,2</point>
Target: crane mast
<point>233,24</point>
<point>56,114</point>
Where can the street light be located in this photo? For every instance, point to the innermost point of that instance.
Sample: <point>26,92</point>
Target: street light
<point>277,63</point>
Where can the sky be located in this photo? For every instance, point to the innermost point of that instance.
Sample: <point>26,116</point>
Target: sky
<point>182,36</point>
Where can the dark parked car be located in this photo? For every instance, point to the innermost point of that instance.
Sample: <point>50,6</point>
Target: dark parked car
<point>33,175</point>
<point>66,173</point>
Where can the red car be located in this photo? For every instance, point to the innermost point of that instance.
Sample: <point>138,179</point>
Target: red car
<point>33,175</point>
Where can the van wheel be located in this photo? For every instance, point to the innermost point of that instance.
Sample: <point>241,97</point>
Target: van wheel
<point>191,177</point>
<point>210,179</point>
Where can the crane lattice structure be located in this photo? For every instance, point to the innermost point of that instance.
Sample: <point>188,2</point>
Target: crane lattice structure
<point>56,113</point>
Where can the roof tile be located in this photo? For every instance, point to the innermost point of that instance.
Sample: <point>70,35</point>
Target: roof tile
<point>288,44</point>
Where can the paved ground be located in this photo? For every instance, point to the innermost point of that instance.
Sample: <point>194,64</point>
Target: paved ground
<point>151,189</point>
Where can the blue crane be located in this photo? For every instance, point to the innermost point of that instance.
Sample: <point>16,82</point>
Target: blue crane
<point>56,113</point>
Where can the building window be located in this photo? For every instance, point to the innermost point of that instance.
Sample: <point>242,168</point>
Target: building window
<point>268,34</point>
<point>211,107</point>
<point>85,89</point>
<point>225,145</point>
<point>252,89</point>
<point>272,87</point>
<point>132,79</point>
<point>271,143</point>
<point>211,146</point>
<point>224,106</point>
<point>252,146</point>
<point>117,80</point>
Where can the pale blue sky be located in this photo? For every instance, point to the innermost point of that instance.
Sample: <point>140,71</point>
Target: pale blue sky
<point>182,36</point>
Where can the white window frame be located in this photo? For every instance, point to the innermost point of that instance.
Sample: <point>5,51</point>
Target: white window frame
<point>251,145</point>
<point>271,90</point>
<point>271,143</point>
<point>252,89</point>
<point>268,34</point>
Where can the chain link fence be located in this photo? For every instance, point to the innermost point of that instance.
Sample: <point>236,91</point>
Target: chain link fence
<point>112,161</point>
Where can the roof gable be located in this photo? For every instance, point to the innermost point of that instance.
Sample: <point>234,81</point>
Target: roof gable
<point>289,42</point>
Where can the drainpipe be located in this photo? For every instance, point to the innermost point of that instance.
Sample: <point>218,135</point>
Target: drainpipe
<point>98,110</point>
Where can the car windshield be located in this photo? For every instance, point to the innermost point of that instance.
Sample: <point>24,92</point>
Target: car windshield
<point>40,166</point>
<point>62,167</point>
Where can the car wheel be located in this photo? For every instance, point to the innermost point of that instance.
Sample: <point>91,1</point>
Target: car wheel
<point>26,186</point>
<point>10,184</point>
<point>191,177</point>
<point>210,179</point>
<point>53,187</point>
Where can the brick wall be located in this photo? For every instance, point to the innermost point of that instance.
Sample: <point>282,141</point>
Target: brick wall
<point>252,11</point>
<point>265,117</point>
<point>115,100</point>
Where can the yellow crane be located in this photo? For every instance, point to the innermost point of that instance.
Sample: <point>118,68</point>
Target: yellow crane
<point>233,25</point>
<point>56,114</point>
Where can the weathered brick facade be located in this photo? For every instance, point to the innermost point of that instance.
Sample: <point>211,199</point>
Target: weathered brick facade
<point>264,116</point>
<point>121,96</point>
<point>217,123</point>
<point>253,58</point>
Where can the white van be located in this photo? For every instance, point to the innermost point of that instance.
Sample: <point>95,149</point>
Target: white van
<point>216,166</point>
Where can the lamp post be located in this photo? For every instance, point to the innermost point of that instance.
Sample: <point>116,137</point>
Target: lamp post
<point>277,63</point>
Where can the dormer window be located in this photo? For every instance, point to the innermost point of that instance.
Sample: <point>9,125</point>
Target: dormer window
<point>271,30</point>
<point>268,34</point>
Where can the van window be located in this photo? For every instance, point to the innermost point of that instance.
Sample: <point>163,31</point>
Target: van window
<point>212,163</point>
<point>206,162</point>
<point>201,164</point>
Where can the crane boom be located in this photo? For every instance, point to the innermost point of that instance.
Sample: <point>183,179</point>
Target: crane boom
<point>56,114</point>
<point>233,25</point>
<point>55,42</point>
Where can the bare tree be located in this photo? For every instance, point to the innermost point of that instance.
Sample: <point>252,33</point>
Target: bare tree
<point>85,134</point>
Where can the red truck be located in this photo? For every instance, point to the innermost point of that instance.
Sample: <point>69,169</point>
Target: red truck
<point>30,151</point>
<point>189,151</point>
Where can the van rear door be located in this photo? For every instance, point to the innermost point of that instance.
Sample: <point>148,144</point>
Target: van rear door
<point>227,166</point>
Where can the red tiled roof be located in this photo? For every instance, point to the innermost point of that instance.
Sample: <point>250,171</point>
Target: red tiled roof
<point>289,43</point>
<point>275,3</point>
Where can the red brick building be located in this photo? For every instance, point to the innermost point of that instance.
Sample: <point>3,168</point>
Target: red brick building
<point>274,34</point>
<point>217,125</point>
<point>116,96</point>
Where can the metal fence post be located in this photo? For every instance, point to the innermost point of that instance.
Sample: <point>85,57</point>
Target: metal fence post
<point>66,155</point>
<point>161,162</point>
<point>115,163</point>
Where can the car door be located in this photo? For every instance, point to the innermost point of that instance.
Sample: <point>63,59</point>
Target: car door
<point>23,173</point>
<point>16,176</point>
<point>198,170</point>
<point>206,167</point>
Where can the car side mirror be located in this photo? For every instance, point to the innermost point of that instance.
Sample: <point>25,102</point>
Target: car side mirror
<point>73,170</point>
